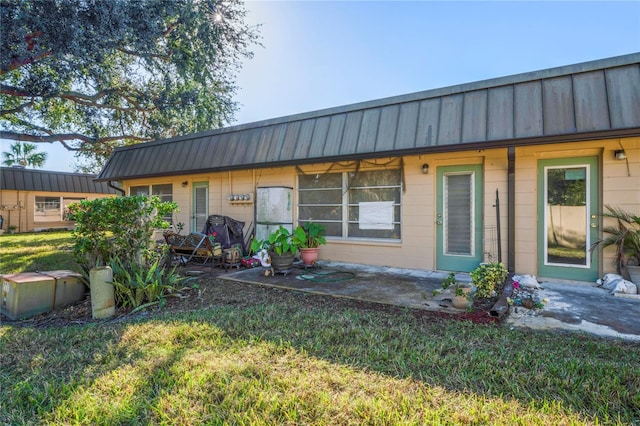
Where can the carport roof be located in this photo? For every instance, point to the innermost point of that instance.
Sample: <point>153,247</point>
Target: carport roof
<point>583,101</point>
<point>19,179</point>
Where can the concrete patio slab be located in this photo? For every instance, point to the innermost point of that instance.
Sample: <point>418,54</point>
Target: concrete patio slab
<point>570,307</point>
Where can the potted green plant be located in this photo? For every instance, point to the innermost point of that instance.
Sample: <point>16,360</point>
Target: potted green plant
<point>282,249</point>
<point>488,278</point>
<point>461,292</point>
<point>309,237</point>
<point>462,298</point>
<point>624,236</point>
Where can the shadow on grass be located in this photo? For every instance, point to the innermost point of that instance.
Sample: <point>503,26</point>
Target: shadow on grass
<point>283,357</point>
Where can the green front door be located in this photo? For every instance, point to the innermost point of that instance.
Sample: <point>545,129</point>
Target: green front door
<point>459,217</point>
<point>568,218</point>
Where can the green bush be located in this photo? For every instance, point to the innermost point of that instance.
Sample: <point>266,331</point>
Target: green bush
<point>488,278</point>
<point>116,227</point>
<point>136,285</point>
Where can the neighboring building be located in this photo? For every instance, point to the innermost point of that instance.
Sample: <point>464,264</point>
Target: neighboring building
<point>413,180</point>
<point>37,200</point>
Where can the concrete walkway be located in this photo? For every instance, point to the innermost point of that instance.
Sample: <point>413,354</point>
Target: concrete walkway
<point>581,307</point>
<point>571,307</point>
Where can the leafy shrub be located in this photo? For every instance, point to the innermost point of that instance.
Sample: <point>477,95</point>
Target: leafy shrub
<point>449,280</point>
<point>136,285</point>
<point>116,227</point>
<point>488,278</point>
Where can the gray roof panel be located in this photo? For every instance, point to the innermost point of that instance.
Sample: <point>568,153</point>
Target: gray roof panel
<point>251,144</point>
<point>474,116</point>
<point>528,109</point>
<point>217,147</point>
<point>263,144</point>
<point>623,87</point>
<point>334,136</point>
<point>127,160</point>
<point>500,113</point>
<point>559,115</point>
<point>288,143</point>
<point>320,131</point>
<point>368,130</point>
<point>450,120</point>
<point>304,139</point>
<point>19,179</point>
<point>592,112</point>
<point>351,132</point>
<point>154,157</point>
<point>81,185</point>
<point>387,128</point>
<point>201,152</point>
<point>275,145</point>
<point>428,123</point>
<point>407,125</point>
<point>576,102</point>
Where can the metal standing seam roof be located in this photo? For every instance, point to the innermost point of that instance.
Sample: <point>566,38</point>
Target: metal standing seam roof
<point>19,179</point>
<point>590,100</point>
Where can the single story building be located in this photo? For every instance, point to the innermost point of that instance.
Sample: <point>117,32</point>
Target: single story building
<point>37,200</point>
<point>516,169</point>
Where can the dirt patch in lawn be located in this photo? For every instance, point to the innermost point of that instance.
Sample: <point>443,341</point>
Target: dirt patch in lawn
<point>213,291</point>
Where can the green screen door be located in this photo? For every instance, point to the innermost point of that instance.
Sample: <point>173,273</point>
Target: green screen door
<point>567,212</point>
<point>459,217</point>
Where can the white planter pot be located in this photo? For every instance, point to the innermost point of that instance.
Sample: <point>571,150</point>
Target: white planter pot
<point>102,292</point>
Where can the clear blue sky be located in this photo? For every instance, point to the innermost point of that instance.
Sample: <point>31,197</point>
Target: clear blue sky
<point>320,54</point>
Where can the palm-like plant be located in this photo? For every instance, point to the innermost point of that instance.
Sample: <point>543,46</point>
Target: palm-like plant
<point>624,236</point>
<point>24,154</point>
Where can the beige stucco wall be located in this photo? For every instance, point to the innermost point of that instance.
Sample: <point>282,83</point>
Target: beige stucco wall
<point>17,208</point>
<point>417,248</point>
<point>620,185</point>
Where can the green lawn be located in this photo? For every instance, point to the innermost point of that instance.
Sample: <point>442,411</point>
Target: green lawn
<point>40,251</point>
<point>269,357</point>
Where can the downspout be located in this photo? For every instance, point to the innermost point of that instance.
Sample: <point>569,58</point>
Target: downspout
<point>501,307</point>
<point>117,188</point>
<point>511,209</point>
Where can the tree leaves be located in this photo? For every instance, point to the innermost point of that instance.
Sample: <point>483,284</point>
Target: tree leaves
<point>95,74</point>
<point>25,155</point>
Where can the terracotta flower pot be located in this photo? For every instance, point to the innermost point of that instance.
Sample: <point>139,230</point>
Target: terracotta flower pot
<point>309,256</point>
<point>460,302</point>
